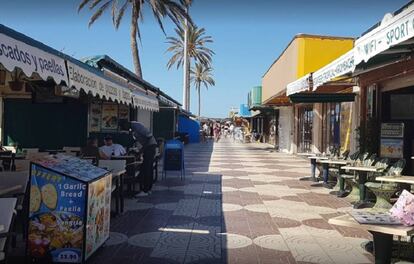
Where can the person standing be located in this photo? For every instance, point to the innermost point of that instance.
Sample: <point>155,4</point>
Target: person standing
<point>145,138</point>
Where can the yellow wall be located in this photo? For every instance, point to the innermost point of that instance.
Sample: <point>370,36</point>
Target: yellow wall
<point>303,55</point>
<point>315,52</point>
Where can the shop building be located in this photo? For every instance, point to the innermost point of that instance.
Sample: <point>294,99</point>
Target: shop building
<point>263,118</point>
<point>385,75</point>
<point>371,87</point>
<point>49,100</point>
<point>299,120</point>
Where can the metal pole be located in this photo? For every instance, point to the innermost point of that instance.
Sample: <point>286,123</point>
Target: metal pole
<point>186,86</point>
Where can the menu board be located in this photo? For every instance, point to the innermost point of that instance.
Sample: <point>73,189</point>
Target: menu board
<point>392,130</point>
<point>98,217</point>
<point>95,116</point>
<point>72,166</point>
<point>56,216</point>
<point>109,116</point>
<point>123,112</point>
<point>392,148</point>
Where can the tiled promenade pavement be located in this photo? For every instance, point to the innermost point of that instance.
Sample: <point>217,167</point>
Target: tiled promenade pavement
<point>239,203</point>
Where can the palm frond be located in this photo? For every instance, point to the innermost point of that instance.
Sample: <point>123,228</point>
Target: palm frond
<point>120,14</point>
<point>94,4</point>
<point>83,4</point>
<point>99,12</point>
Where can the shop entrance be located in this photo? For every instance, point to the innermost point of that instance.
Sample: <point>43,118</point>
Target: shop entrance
<point>398,107</point>
<point>334,131</point>
<point>305,129</point>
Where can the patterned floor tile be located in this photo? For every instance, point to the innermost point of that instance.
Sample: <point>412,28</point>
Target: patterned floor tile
<point>239,203</point>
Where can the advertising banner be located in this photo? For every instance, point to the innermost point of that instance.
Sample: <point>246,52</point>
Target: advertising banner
<point>86,80</point>
<point>109,116</point>
<point>17,54</point>
<point>392,148</point>
<point>98,218</point>
<point>339,67</point>
<point>56,217</point>
<point>300,85</point>
<point>392,31</point>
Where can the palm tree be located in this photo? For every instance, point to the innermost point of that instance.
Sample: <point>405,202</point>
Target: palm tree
<point>196,49</point>
<point>201,75</point>
<point>175,11</point>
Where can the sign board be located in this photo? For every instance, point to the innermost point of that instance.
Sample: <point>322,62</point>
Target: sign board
<point>339,67</point>
<point>392,31</point>
<point>17,54</point>
<point>300,85</point>
<point>56,218</point>
<point>392,148</point>
<point>392,130</point>
<point>81,78</point>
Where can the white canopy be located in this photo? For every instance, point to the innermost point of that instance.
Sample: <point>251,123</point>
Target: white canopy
<point>17,54</point>
<point>144,101</point>
<point>392,31</point>
<point>339,67</point>
<point>300,85</point>
<point>86,80</point>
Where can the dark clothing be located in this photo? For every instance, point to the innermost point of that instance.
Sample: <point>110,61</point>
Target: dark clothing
<point>90,151</point>
<point>142,135</point>
<point>147,172</point>
<point>145,138</point>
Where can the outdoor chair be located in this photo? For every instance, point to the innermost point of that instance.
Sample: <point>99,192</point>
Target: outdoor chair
<point>22,165</point>
<point>117,182</point>
<point>10,148</point>
<point>36,155</point>
<point>365,160</point>
<point>384,191</point>
<point>7,218</point>
<point>72,151</point>
<point>132,167</point>
<point>349,179</point>
<point>17,184</point>
<point>30,150</point>
<point>334,172</point>
<point>158,157</point>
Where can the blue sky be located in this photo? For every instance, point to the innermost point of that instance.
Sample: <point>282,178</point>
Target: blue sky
<point>248,37</point>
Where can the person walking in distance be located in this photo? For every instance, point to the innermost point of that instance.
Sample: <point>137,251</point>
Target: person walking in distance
<point>145,138</point>
<point>217,131</point>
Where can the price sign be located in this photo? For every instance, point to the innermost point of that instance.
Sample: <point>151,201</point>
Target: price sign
<point>68,256</point>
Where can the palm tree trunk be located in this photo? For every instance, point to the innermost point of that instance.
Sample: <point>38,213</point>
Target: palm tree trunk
<point>188,83</point>
<point>186,68</point>
<point>134,44</point>
<point>199,103</point>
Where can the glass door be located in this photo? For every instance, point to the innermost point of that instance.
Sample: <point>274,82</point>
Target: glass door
<point>305,129</point>
<point>334,133</point>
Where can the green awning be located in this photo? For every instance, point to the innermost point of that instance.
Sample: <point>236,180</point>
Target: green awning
<point>322,97</point>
